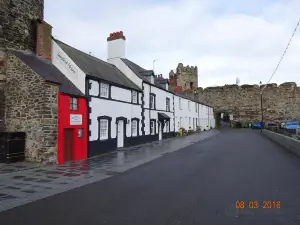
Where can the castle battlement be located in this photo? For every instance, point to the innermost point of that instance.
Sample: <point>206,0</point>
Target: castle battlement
<point>185,77</point>
<point>271,86</point>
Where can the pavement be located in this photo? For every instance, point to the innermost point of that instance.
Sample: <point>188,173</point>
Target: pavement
<point>22,183</point>
<point>199,184</point>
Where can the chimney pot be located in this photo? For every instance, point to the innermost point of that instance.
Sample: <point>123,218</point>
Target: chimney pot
<point>116,45</point>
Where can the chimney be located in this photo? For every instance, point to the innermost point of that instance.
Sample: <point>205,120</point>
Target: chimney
<point>44,39</point>
<point>116,45</point>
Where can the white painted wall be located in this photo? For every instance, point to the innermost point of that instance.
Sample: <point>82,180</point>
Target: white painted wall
<point>114,109</point>
<point>103,107</point>
<point>120,94</point>
<point>116,49</point>
<point>126,71</point>
<point>64,63</point>
<point>161,96</point>
<point>185,113</point>
<point>205,117</point>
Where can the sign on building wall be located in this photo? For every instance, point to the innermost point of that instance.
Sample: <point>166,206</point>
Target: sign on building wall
<point>75,119</point>
<point>65,62</point>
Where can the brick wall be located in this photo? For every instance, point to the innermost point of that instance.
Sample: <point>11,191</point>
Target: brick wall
<point>31,107</point>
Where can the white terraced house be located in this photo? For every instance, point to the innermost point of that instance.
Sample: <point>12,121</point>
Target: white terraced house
<point>127,104</point>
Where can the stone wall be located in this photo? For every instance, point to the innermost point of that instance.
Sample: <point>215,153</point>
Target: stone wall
<point>18,22</point>
<point>31,107</point>
<point>279,102</point>
<point>2,85</point>
<point>186,78</point>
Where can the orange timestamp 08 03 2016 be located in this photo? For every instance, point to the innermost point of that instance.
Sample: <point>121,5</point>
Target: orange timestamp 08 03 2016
<point>257,204</point>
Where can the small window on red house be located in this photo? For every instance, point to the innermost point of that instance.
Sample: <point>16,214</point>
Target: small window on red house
<point>73,104</point>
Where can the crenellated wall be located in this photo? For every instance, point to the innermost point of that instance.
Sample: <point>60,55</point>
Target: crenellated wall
<point>280,102</point>
<point>186,77</point>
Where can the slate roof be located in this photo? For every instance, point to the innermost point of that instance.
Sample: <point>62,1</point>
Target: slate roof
<point>97,68</point>
<point>142,73</point>
<point>48,71</point>
<point>158,81</point>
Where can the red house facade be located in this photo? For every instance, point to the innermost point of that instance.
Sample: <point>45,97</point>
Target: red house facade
<point>72,128</point>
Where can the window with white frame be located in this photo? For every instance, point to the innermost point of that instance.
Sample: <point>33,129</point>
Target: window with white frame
<point>180,103</point>
<point>134,97</point>
<point>104,90</point>
<point>103,129</point>
<point>152,101</point>
<point>189,121</point>
<point>189,105</point>
<point>168,104</point>
<point>152,127</point>
<point>134,128</point>
<point>196,107</point>
<point>73,104</point>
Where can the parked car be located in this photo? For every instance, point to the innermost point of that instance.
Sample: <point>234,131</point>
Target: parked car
<point>272,126</point>
<point>256,125</point>
<point>292,126</point>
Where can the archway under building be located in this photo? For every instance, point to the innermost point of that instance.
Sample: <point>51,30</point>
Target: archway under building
<point>223,119</point>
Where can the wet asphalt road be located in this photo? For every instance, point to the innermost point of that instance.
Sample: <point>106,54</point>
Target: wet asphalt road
<point>199,184</point>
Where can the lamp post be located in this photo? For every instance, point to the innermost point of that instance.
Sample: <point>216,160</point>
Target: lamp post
<point>261,109</point>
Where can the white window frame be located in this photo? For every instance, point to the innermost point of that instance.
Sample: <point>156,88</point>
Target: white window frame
<point>73,104</point>
<point>152,101</point>
<point>189,122</point>
<point>104,90</point>
<point>103,131</point>
<point>152,127</point>
<point>134,95</point>
<point>134,128</point>
<point>168,108</point>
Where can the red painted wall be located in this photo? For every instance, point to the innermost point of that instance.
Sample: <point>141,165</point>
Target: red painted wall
<point>79,143</point>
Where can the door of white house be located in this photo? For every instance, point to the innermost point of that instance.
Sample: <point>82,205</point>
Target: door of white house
<point>120,134</point>
<point>160,131</point>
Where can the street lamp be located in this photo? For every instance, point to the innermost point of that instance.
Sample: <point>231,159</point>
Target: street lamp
<point>261,108</point>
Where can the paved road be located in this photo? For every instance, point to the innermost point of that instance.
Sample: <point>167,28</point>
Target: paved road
<point>199,184</point>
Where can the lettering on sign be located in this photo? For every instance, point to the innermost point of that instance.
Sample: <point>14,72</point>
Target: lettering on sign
<point>75,119</point>
<point>63,60</point>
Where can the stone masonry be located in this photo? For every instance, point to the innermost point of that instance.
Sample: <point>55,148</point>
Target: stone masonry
<point>17,31</point>
<point>243,102</point>
<point>18,22</point>
<point>31,107</point>
<point>279,102</point>
<point>185,77</point>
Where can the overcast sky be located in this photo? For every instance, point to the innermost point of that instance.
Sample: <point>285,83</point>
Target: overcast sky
<point>225,39</point>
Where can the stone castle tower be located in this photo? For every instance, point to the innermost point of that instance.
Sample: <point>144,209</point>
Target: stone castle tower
<point>185,79</point>
<point>17,31</point>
